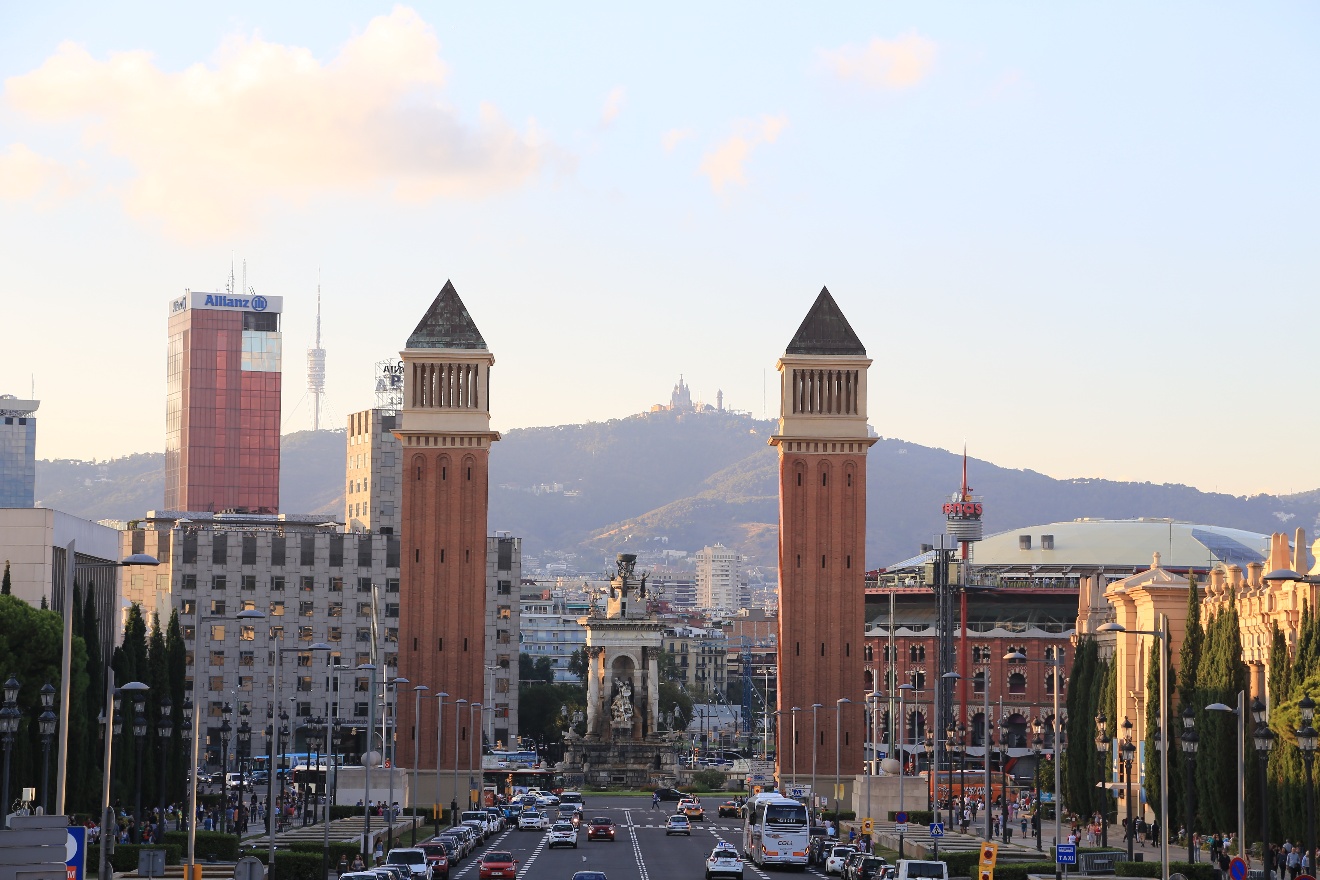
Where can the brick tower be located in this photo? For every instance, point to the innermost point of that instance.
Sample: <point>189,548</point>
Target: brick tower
<point>822,442</point>
<point>445,439</point>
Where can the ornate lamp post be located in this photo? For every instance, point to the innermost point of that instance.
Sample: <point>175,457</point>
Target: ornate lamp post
<point>439,741</point>
<point>9,720</point>
<point>242,743</point>
<point>1103,743</point>
<point>46,724</point>
<point>1306,740</point>
<point>140,736</point>
<point>962,767</point>
<point>315,737</point>
<point>1264,740</point>
<point>225,731</point>
<point>164,730</point>
<point>950,749</point>
<point>815,707</point>
<point>1126,752</point>
<point>458,718</point>
<point>1189,742</point>
<point>1004,743</point>
<point>838,723</point>
<point>1037,744</point>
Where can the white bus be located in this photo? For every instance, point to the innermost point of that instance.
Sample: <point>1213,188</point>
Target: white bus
<point>775,831</point>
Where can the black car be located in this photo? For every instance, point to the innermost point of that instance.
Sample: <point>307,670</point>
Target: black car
<point>669,794</point>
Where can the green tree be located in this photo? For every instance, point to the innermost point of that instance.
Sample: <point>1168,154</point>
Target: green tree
<point>177,652</point>
<point>1081,765</point>
<point>538,669</point>
<point>6,584</point>
<point>578,665</point>
<point>1220,675</point>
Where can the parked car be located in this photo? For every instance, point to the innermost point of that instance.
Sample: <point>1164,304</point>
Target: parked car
<point>479,827</point>
<point>678,824</point>
<point>562,834</point>
<point>723,861</point>
<point>399,872</point>
<point>497,863</point>
<point>871,868</point>
<point>850,865</point>
<point>412,858</point>
<point>437,856</point>
<point>669,794</point>
<point>600,828</point>
<point>838,855</point>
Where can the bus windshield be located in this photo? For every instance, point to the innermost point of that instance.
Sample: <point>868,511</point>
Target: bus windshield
<point>786,814</point>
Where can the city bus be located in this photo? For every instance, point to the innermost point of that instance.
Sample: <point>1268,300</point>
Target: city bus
<point>775,830</point>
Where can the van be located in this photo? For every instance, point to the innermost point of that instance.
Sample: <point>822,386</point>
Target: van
<point>914,869</point>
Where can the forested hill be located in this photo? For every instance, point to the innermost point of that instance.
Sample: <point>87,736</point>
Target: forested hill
<point>686,480</point>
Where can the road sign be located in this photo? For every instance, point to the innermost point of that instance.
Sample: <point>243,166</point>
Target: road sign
<point>900,817</point>
<point>1237,869</point>
<point>1065,853</point>
<point>75,851</point>
<point>936,829</point>
<point>900,828</point>
<point>868,826</point>
<point>799,791</point>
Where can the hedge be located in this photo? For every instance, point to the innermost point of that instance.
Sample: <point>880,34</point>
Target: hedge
<point>125,855</point>
<point>841,816</point>
<point>292,865</point>
<point>1011,871</point>
<point>210,845</point>
<point>337,848</point>
<point>915,817</point>
<point>347,811</point>
<point>1197,871</point>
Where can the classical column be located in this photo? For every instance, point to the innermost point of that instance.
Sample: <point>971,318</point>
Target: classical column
<point>653,691</point>
<point>593,693</point>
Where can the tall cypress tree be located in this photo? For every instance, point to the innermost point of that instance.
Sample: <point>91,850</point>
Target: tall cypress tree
<point>176,652</point>
<point>1080,769</point>
<point>6,584</point>
<point>89,783</point>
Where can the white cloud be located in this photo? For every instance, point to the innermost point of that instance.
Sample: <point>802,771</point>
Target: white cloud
<point>724,164</point>
<point>613,106</point>
<point>675,136</point>
<point>211,144</point>
<point>27,175</point>
<point>884,64</point>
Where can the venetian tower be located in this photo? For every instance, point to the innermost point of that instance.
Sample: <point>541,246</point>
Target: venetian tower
<point>822,442</point>
<point>445,440</point>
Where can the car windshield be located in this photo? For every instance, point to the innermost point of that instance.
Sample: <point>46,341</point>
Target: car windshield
<point>601,820</point>
<point>589,875</point>
<point>678,820</point>
<point>842,851</point>
<point>563,826</point>
<point>405,857</point>
<point>497,857</point>
<point>531,814</point>
<point>786,814</point>
<point>926,869</point>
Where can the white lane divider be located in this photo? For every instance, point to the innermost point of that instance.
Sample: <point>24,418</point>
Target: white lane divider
<point>522,872</point>
<point>636,845</point>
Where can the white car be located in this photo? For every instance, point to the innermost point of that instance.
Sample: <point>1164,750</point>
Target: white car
<point>531,820</point>
<point>562,834</point>
<point>724,862</point>
<point>413,860</point>
<point>547,800</point>
<point>838,855</point>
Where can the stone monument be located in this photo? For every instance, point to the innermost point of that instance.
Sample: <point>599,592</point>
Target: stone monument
<point>623,744</point>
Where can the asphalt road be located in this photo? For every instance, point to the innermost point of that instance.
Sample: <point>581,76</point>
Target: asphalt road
<point>640,850</point>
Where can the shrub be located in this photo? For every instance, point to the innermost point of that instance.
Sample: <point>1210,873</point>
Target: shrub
<point>1198,871</point>
<point>337,848</point>
<point>709,780</point>
<point>210,845</point>
<point>125,855</point>
<point>1020,871</point>
<point>292,865</point>
<point>915,817</point>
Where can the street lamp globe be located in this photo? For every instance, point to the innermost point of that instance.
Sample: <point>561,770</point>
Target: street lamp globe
<point>1257,710</point>
<point>1264,738</point>
<point>1306,707</point>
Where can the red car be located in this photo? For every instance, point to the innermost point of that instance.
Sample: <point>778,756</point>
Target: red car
<point>497,864</point>
<point>437,857</point>
<point>600,828</point>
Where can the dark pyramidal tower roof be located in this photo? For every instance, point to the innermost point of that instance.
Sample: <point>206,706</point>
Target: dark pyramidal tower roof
<point>447,324</point>
<point>825,331</point>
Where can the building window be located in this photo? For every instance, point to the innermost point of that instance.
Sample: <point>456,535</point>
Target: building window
<point>304,658</point>
<point>218,658</point>
<point>189,582</point>
<point>392,634</point>
<point>363,634</point>
<point>364,585</point>
<point>304,709</point>
<point>249,550</point>
<point>1017,683</point>
<point>304,633</point>
<point>336,634</point>
<point>277,584</point>
<point>391,609</point>
<point>391,585</point>
<point>307,584</point>
<point>359,710</point>
<point>504,588</point>
<point>501,685</point>
<point>277,609</point>
<point>868,654</point>
<point>219,549</point>
<point>364,609</point>
<point>188,608</point>
<point>189,632</point>
<point>248,582</point>
<point>276,632</point>
<point>218,582</point>
<point>978,682</point>
<point>336,609</point>
<point>247,633</point>
<point>917,677</point>
<point>216,683</point>
<point>336,585</point>
<point>307,551</point>
<point>917,652</point>
<point>246,658</point>
<point>305,609</point>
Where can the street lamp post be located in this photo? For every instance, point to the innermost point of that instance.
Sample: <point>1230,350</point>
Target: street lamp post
<point>393,694</point>
<point>458,718</point>
<point>1241,713</point>
<point>838,719</point>
<point>9,720</point>
<point>1103,743</point>
<point>111,722</point>
<point>1037,745</point>
<point>417,742</point>
<point>1264,741</point>
<point>226,730</point>
<point>815,707</point>
<point>1003,771</point>
<point>164,730</point>
<point>949,684</point>
<point>1190,739</point>
<point>1162,633</point>
<point>1306,740</point>
<point>46,724</point>
<point>439,733</point>
<point>242,743</point>
<point>902,756</point>
<point>474,791</point>
<point>370,669</point>
<point>140,736</point>
<point>1127,749</point>
<point>793,711</point>
<point>950,750</point>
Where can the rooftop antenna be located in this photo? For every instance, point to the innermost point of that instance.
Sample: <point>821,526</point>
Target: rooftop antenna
<point>316,364</point>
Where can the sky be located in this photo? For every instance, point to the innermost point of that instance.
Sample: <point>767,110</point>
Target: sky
<point>1080,238</point>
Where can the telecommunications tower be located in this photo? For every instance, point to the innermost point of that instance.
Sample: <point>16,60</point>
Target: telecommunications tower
<point>316,367</point>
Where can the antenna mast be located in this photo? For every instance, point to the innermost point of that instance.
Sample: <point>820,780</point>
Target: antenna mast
<point>316,364</point>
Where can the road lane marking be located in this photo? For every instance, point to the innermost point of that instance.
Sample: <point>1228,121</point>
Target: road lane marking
<point>747,863</point>
<point>636,845</point>
<point>522,872</point>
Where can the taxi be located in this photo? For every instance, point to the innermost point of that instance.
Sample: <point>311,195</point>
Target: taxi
<point>723,862</point>
<point>692,809</point>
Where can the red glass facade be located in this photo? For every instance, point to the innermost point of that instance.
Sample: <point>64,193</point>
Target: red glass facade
<point>222,433</point>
